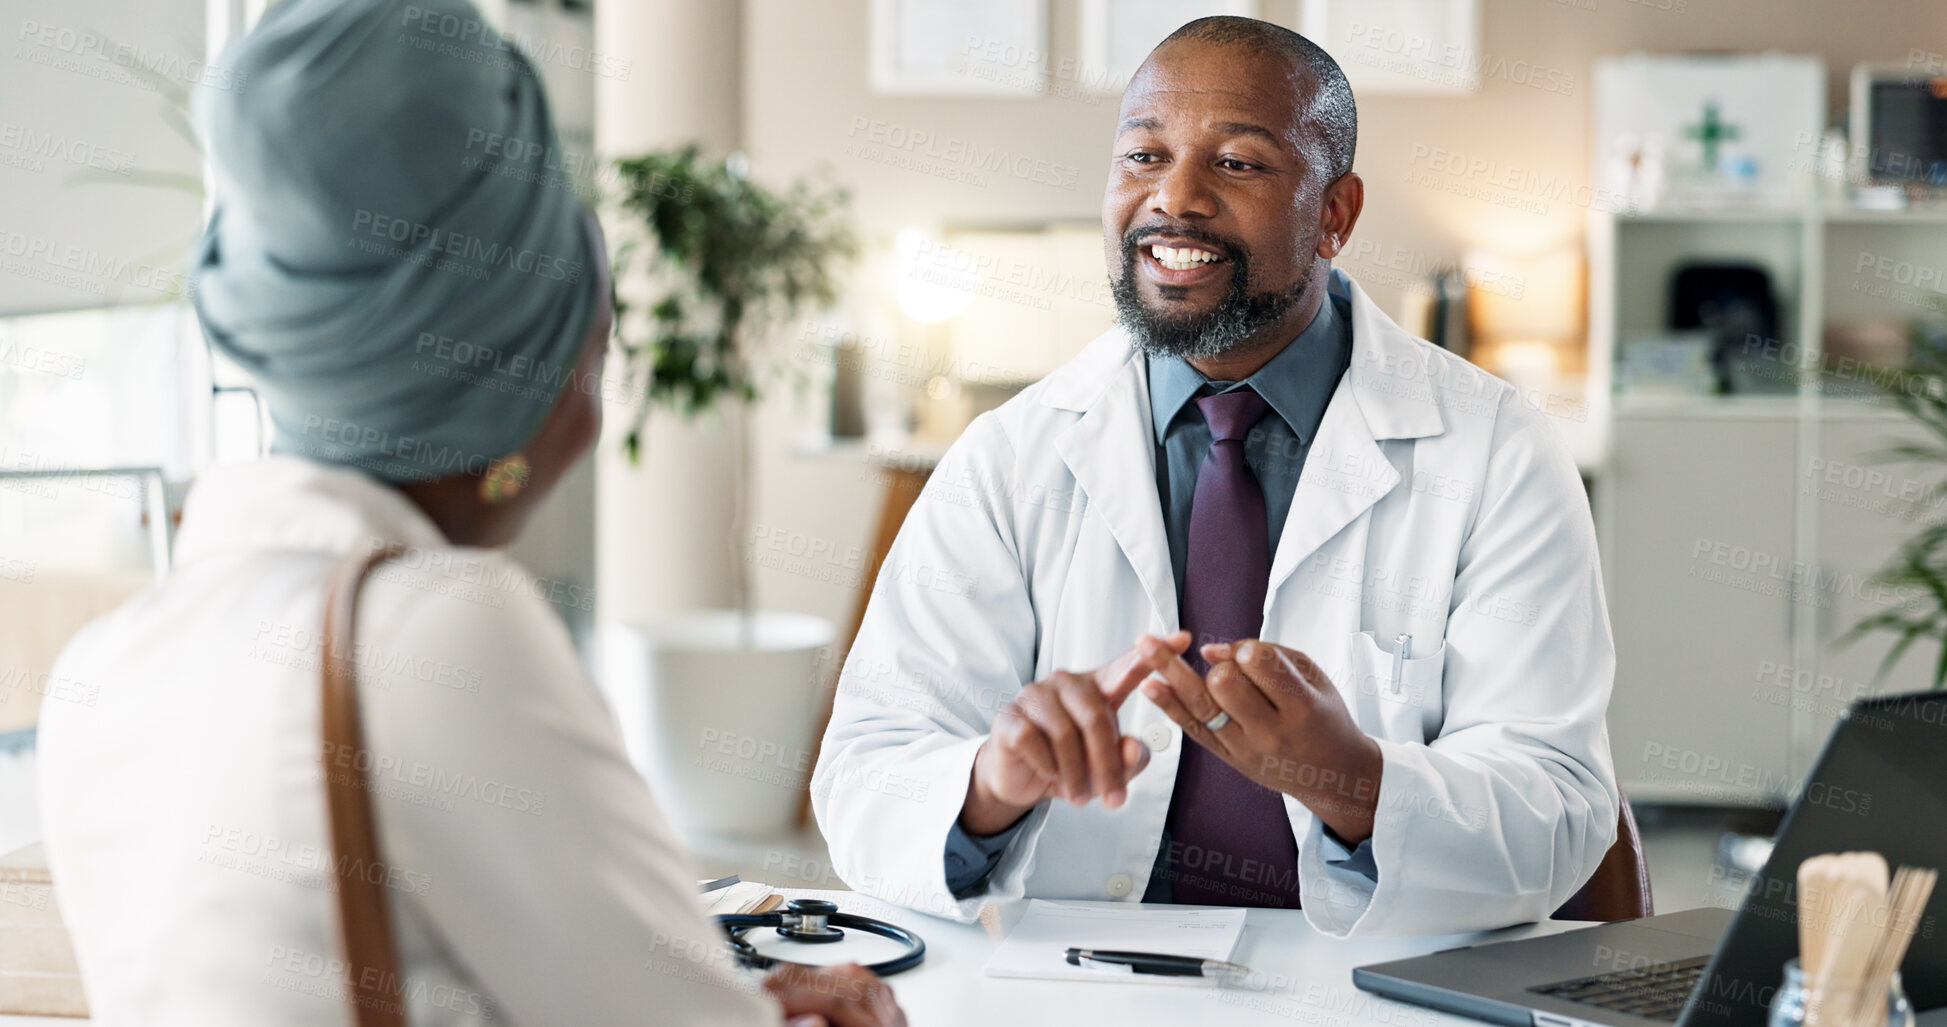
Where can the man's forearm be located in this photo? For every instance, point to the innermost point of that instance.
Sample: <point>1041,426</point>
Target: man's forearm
<point>987,817</point>
<point>981,813</point>
<point>1344,794</point>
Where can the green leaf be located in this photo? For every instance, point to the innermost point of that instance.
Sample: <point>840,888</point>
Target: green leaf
<point>733,261</point>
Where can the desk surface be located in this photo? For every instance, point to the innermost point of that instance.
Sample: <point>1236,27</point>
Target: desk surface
<point>1302,977</point>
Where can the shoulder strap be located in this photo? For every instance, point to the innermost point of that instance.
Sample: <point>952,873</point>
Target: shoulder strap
<point>364,913</point>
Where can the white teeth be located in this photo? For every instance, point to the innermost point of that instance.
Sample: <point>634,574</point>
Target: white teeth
<point>1181,258</point>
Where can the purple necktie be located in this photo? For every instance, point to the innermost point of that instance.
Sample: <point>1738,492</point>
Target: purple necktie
<point>1230,842</point>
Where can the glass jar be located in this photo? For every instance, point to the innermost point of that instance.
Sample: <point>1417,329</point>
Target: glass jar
<point>1788,1006</point>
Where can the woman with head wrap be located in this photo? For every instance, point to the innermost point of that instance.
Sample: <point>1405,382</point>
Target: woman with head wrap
<point>426,317</point>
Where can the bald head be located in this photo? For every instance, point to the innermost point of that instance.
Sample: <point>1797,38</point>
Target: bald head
<point>1331,114</point>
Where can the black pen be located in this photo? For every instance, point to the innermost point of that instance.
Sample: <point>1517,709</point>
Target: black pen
<point>1157,963</point>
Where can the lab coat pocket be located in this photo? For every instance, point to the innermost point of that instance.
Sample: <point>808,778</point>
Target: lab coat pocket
<point>1398,700</point>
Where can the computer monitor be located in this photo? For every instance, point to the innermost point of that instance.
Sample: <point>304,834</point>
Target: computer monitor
<point>1899,124</point>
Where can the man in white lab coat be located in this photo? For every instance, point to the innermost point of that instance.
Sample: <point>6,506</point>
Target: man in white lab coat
<point>1393,712</point>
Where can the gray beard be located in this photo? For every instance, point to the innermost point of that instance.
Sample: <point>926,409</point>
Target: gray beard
<point>1223,330</point>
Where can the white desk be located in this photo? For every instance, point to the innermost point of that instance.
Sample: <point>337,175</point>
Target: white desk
<point>1303,977</point>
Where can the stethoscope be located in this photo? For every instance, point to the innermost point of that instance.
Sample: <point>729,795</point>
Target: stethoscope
<point>817,922</point>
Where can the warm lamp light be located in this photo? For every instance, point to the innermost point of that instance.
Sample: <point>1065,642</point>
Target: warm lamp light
<point>931,286</point>
<point>1527,311</point>
<point>1538,296</point>
<point>1526,359</point>
<point>1043,295</point>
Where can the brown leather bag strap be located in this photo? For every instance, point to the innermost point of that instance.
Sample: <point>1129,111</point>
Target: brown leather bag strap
<point>364,912</point>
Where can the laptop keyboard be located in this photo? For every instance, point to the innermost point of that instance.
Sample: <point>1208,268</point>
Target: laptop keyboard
<point>1654,992</point>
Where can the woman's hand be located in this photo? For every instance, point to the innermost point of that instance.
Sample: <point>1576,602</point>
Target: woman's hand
<point>833,996</point>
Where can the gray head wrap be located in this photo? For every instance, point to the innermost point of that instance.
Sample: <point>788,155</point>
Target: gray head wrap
<point>389,256</point>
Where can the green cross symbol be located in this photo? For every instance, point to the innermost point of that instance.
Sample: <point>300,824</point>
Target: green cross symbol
<point>1712,132</point>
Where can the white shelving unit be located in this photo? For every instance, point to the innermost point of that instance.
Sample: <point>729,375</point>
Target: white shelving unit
<point>1740,534</point>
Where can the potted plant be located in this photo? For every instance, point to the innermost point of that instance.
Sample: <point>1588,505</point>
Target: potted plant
<point>1919,568</point>
<point>726,699</point>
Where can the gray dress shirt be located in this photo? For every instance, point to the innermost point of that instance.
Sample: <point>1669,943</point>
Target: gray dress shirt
<point>1297,384</point>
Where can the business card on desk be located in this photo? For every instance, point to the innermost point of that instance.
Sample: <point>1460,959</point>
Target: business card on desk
<point>1038,945</point>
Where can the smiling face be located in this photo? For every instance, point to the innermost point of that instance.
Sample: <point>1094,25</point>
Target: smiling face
<point>1220,214</point>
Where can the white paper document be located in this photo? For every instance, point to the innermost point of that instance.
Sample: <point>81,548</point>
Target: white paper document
<point>1038,945</point>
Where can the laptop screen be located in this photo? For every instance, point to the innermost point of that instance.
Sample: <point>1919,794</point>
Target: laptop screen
<point>1880,785</point>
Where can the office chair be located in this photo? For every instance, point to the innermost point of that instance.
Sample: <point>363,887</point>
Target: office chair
<point>1620,889</point>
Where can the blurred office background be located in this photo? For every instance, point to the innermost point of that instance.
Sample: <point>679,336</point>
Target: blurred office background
<point>1704,236</point>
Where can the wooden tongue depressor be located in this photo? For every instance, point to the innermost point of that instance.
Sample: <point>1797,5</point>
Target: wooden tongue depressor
<point>1857,901</point>
<point>1825,885</point>
<point>1816,879</point>
<point>1913,906</point>
<point>1911,889</point>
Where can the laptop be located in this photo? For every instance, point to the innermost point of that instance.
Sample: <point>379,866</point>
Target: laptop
<point>1880,785</point>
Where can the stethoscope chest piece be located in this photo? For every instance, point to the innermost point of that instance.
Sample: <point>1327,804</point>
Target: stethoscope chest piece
<point>818,921</point>
<point>812,921</point>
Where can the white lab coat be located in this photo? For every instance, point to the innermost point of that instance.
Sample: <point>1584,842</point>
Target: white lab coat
<point>533,880</point>
<point>1433,502</point>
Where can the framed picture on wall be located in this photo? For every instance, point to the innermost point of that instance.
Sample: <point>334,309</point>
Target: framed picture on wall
<point>1118,34</point>
<point>986,48</point>
<point>1400,47</point>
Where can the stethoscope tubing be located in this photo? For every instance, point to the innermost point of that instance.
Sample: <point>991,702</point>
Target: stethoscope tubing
<point>737,923</point>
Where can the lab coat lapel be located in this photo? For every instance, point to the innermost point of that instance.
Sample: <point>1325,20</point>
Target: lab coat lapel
<point>1385,394</point>
<point>1345,474</point>
<point>1111,453</point>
